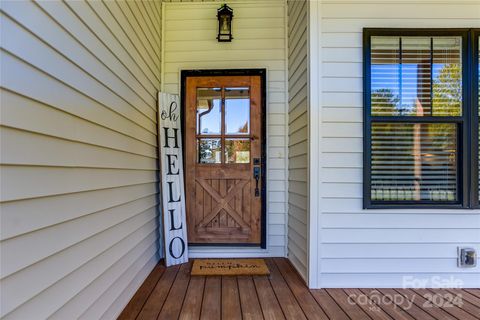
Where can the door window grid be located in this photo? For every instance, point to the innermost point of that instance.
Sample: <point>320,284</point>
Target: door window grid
<point>230,139</point>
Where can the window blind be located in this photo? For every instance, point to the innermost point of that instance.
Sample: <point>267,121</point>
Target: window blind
<point>412,77</point>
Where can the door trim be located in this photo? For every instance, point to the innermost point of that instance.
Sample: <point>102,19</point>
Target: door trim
<point>263,78</point>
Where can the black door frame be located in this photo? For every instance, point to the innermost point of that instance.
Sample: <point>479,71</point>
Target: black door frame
<point>236,72</point>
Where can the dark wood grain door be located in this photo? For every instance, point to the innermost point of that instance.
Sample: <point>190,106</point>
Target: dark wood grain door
<point>223,139</point>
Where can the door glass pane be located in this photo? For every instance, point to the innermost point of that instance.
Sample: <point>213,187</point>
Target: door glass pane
<point>209,151</point>
<point>416,76</point>
<point>209,116</point>
<point>478,73</point>
<point>237,151</point>
<point>237,110</point>
<point>414,162</point>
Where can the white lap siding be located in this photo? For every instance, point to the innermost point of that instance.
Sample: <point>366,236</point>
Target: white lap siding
<point>259,33</point>
<point>78,152</point>
<point>297,136</point>
<point>378,248</point>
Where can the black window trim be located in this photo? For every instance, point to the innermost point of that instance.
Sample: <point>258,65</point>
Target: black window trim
<point>467,149</point>
<point>474,53</point>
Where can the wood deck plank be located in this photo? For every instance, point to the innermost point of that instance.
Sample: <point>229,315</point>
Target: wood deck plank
<point>290,307</point>
<point>172,293</point>
<point>459,302</point>
<point>464,294</point>
<point>406,305</point>
<point>305,299</point>
<point>352,310</point>
<point>475,292</point>
<point>230,299</point>
<point>212,298</point>
<point>268,301</point>
<point>173,305</point>
<point>192,305</point>
<point>451,309</point>
<point>155,301</point>
<point>248,299</point>
<point>329,305</point>
<point>386,305</point>
<point>133,308</point>
<point>369,307</point>
<point>422,303</point>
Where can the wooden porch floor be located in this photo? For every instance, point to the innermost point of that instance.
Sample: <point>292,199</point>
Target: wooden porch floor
<point>171,293</point>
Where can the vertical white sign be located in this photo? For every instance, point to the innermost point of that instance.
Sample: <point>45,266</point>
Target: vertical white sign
<point>171,179</point>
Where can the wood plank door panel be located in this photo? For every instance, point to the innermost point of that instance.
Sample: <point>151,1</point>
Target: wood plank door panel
<point>223,146</point>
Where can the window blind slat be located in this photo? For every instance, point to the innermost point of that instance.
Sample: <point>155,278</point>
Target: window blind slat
<point>416,76</point>
<point>415,162</point>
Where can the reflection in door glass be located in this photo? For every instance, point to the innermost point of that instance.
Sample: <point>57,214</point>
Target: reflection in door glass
<point>209,151</point>
<point>209,114</point>
<point>237,110</point>
<point>237,151</point>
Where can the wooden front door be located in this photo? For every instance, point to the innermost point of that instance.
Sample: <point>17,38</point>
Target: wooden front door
<point>223,159</point>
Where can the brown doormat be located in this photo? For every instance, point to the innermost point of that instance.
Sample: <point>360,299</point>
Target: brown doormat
<point>229,267</point>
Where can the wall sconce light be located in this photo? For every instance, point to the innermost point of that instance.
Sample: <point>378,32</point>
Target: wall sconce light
<point>224,15</point>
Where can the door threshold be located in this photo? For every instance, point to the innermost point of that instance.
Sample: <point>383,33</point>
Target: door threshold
<point>229,252</point>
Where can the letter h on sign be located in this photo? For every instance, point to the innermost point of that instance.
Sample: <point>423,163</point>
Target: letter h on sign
<point>171,180</point>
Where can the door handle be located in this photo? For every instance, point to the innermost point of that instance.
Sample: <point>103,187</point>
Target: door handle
<point>256,175</point>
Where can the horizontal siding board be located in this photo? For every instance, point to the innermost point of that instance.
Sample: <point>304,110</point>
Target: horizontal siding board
<point>44,242</point>
<point>296,262</point>
<point>140,37</point>
<point>124,296</point>
<point>297,136</point>
<point>413,265</point>
<point>342,160</point>
<point>354,205</point>
<point>211,24</point>
<point>342,145</point>
<point>343,25</point>
<point>225,55</point>
<point>42,150</point>
<point>17,217</point>
<point>31,17</point>
<point>48,60</point>
<point>106,305</point>
<point>29,115</point>
<point>400,11</point>
<point>24,284</point>
<point>342,70</point>
<point>343,115</point>
<point>147,28</point>
<point>24,182</point>
<point>66,98</point>
<point>195,12</point>
<point>390,250</point>
<point>96,293</point>
<point>398,235</point>
<point>44,305</point>
<point>78,154</point>
<point>128,48</point>
<point>242,34</point>
<point>395,220</point>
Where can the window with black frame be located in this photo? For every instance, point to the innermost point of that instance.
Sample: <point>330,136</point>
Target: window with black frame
<point>417,124</point>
